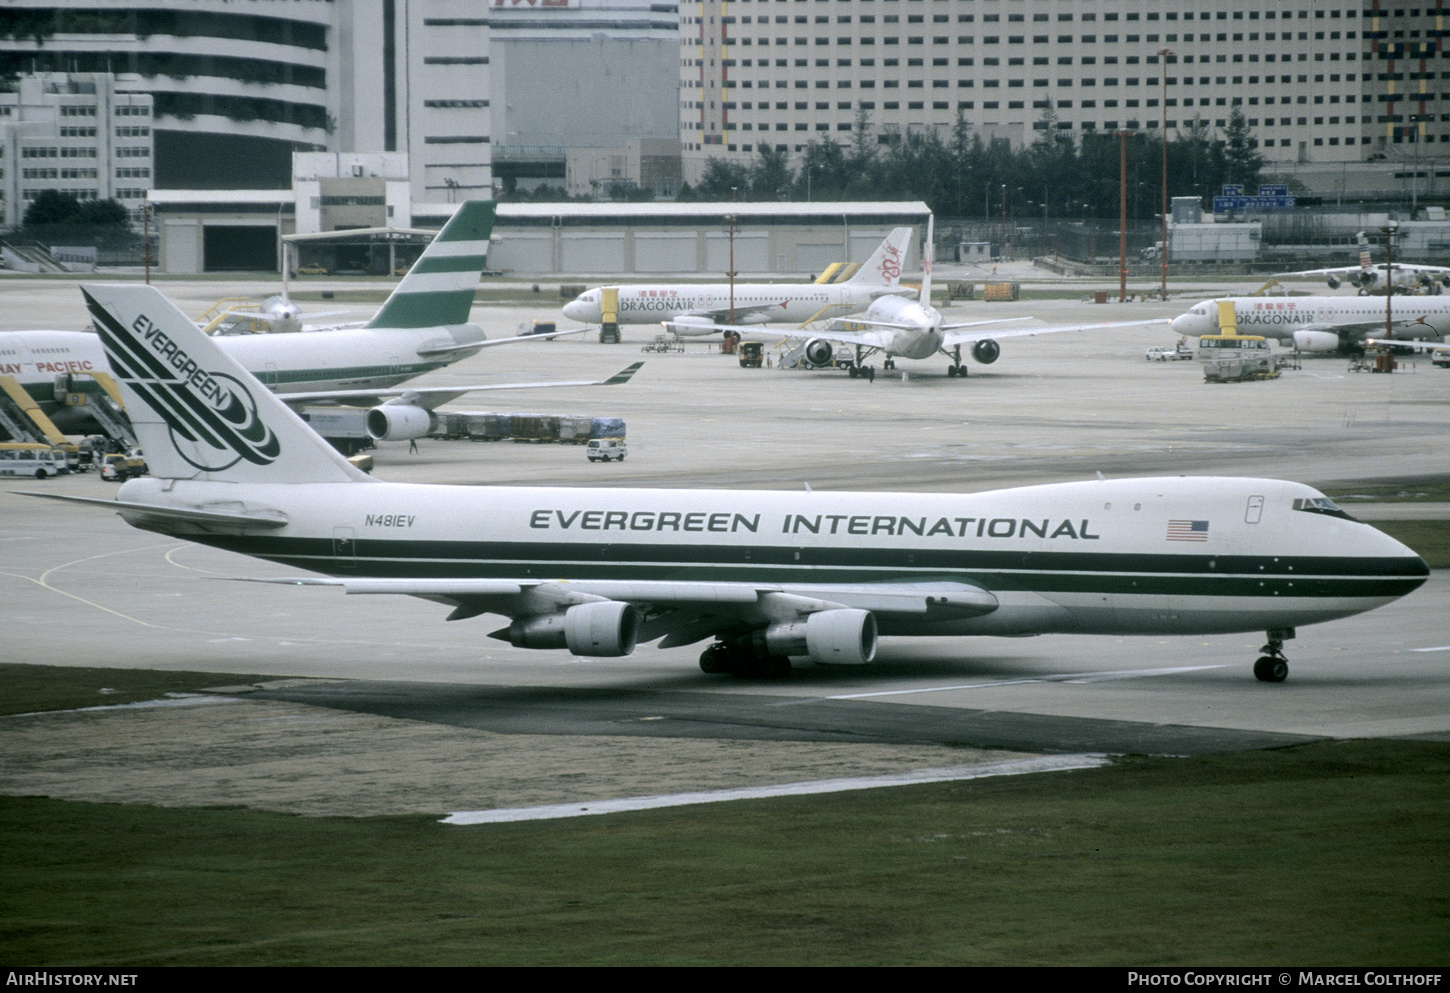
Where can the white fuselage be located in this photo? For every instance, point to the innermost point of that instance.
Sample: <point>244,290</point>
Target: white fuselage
<point>358,358</point>
<point>753,303</point>
<point>1133,556</point>
<point>1420,318</point>
<point>920,336</point>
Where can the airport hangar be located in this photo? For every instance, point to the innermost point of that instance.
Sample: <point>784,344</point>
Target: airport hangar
<point>227,230</point>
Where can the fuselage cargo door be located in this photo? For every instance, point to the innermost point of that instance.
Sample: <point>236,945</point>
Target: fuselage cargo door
<point>344,548</point>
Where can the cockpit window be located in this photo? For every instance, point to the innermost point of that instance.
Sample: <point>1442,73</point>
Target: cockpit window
<point>1320,505</point>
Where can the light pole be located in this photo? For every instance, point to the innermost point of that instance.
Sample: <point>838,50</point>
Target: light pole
<point>732,219</point>
<point>1163,54</point>
<point>1389,230</point>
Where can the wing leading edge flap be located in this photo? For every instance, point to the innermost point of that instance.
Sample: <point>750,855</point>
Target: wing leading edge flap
<point>736,601</point>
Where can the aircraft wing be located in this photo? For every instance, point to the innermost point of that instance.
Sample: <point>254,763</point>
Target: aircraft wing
<point>956,334</point>
<point>679,613</point>
<point>435,352</point>
<point>872,339</point>
<point>1347,270</point>
<point>1419,346</point>
<point>429,397</point>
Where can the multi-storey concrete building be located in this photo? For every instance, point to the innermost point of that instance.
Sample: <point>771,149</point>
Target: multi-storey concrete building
<point>1321,84</point>
<point>80,134</point>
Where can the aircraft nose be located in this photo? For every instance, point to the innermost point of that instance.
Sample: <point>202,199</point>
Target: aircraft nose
<point>1187,324</point>
<point>574,309</point>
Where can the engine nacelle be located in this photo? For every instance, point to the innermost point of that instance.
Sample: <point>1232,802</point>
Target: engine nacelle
<point>399,422</point>
<point>603,629</point>
<point>986,351</point>
<point>819,352</point>
<point>1316,341</point>
<point>1333,282</point>
<point>1366,279</point>
<point>830,637</point>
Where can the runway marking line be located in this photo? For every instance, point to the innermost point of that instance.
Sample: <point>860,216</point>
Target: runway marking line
<point>595,808</point>
<point>1080,678</point>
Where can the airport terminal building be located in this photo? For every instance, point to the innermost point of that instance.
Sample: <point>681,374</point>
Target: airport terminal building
<point>1323,85</point>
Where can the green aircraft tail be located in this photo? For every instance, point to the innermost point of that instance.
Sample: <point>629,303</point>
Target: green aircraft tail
<point>439,289</point>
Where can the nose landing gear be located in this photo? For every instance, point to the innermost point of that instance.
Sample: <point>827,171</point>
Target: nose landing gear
<point>1272,666</point>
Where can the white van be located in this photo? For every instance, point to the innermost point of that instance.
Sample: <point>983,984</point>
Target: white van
<point>605,449</point>
<point>21,458</point>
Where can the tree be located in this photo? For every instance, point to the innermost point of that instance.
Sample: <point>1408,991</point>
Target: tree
<point>1242,161</point>
<point>53,207</point>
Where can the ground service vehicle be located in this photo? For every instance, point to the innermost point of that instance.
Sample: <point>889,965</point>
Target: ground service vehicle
<point>1232,358</point>
<point>605,449</point>
<point>23,458</point>
<point>752,354</point>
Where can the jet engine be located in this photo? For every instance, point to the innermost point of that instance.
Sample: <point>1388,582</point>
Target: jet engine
<point>819,352</point>
<point>1333,282</point>
<point>986,351</point>
<point>1316,341</point>
<point>1367,279</point>
<point>830,637</point>
<point>399,422</point>
<point>603,629</point>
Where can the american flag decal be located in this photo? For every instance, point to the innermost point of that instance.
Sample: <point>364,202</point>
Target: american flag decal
<point>1187,530</point>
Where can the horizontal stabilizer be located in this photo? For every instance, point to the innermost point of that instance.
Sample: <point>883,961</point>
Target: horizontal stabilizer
<point>189,515</point>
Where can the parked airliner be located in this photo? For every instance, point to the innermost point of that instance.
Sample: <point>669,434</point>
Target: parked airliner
<point>422,326</point>
<point>1323,324</point>
<point>1370,278</point>
<point>696,309</point>
<point>766,574</point>
<point>900,327</point>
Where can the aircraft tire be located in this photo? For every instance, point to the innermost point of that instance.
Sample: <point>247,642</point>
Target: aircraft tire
<point>717,659</point>
<point>852,371</point>
<point>1269,669</point>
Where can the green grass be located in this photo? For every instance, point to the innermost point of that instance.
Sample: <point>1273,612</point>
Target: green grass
<point>1330,853</point>
<point>28,688</point>
<point>1326,854</point>
<point>1430,539</point>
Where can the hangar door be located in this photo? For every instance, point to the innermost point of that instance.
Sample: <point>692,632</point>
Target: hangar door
<point>247,247</point>
<point>752,252</point>
<point>591,252</point>
<point>655,252</point>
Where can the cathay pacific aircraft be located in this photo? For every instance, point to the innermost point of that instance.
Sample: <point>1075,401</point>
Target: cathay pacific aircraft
<point>422,326</point>
<point>763,576</point>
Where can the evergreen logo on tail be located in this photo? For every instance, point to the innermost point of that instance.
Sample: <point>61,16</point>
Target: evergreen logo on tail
<point>215,413</point>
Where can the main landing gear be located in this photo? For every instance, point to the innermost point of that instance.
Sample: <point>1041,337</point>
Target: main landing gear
<point>859,371</point>
<point>1272,666</point>
<point>739,657</point>
<point>956,368</point>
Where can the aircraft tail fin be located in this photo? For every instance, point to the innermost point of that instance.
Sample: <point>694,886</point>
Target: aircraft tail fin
<point>884,266</point>
<point>197,413</point>
<point>439,289</point>
<point>1364,257</point>
<point>927,254</point>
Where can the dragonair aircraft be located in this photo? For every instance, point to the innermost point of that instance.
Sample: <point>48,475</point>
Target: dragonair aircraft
<point>899,327</point>
<point>422,326</point>
<point>1323,324</point>
<point>1370,278</point>
<point>766,575</point>
<point>697,309</point>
